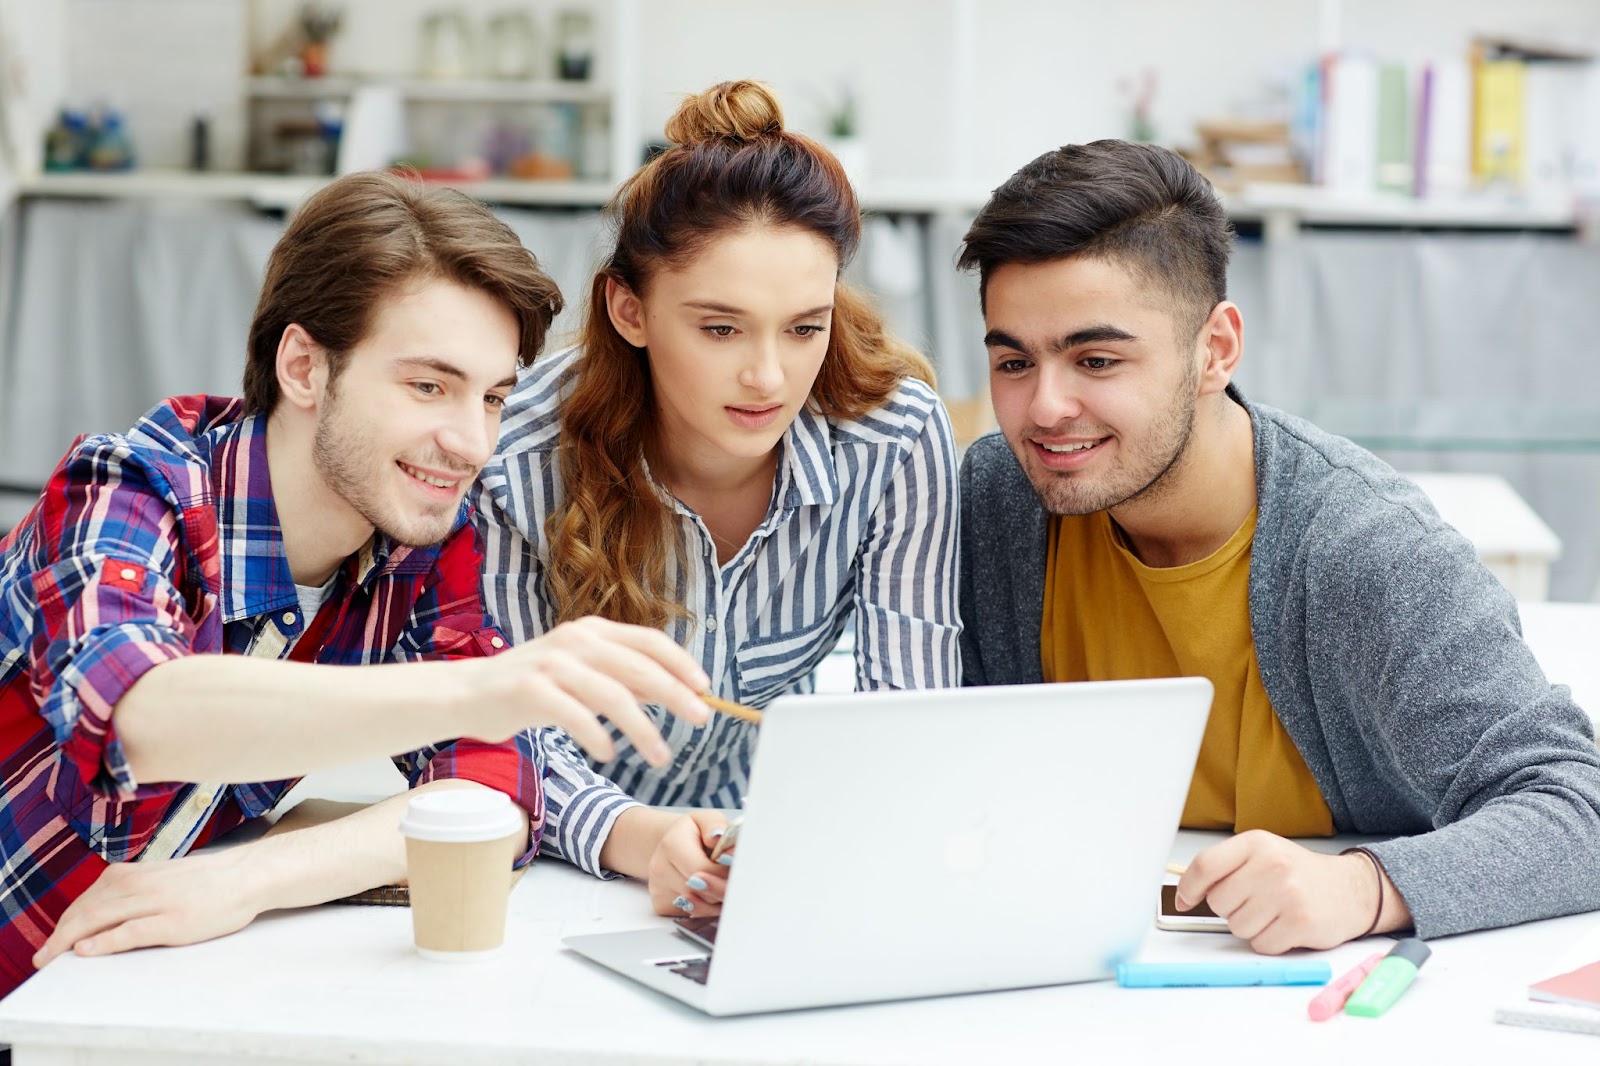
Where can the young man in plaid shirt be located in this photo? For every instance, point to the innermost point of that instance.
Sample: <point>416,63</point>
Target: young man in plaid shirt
<point>172,610</point>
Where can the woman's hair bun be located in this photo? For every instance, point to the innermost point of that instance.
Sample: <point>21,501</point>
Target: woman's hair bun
<point>729,111</point>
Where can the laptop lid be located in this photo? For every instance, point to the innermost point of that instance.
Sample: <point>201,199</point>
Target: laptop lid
<point>904,844</point>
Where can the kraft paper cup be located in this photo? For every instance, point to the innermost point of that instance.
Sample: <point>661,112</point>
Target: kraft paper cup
<point>460,845</point>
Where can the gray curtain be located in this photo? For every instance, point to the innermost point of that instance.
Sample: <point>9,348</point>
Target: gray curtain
<point>106,307</point>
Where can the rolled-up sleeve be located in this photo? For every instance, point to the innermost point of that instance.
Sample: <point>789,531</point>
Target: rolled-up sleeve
<point>106,608</point>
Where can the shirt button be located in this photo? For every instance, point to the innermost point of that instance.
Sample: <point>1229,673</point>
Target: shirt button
<point>127,574</point>
<point>205,796</point>
<point>496,642</point>
<point>288,618</point>
<point>711,625</point>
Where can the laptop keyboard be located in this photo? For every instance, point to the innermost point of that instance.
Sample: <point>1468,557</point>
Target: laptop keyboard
<point>696,969</point>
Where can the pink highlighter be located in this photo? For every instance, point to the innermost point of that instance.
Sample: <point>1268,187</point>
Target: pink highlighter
<point>1330,1000</point>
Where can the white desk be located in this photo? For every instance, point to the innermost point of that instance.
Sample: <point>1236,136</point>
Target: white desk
<point>1565,638</point>
<point>341,984</point>
<point>1510,537</point>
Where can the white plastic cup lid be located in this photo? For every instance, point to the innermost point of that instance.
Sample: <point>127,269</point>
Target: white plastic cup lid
<point>460,816</point>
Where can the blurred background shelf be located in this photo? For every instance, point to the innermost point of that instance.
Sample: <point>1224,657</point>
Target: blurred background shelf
<point>486,90</point>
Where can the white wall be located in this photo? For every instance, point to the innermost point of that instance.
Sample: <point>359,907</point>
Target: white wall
<point>35,68</point>
<point>162,62</point>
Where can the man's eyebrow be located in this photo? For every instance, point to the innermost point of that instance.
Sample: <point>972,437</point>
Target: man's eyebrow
<point>999,338</point>
<point>1101,334</point>
<point>450,370</point>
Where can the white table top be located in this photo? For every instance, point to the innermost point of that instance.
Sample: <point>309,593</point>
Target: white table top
<point>1489,513</point>
<point>1565,638</point>
<point>341,984</point>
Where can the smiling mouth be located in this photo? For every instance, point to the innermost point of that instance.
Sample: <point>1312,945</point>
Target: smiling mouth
<point>1072,447</point>
<point>428,479</point>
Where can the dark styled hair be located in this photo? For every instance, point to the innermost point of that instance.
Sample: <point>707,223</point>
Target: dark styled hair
<point>360,239</point>
<point>1143,207</point>
<point>732,166</point>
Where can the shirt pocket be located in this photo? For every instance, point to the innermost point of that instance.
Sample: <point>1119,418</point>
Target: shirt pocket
<point>769,666</point>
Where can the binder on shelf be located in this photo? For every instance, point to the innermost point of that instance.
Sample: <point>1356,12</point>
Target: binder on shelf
<point>1350,124</point>
<point>1444,130</point>
<point>1498,120</point>
<point>1394,150</point>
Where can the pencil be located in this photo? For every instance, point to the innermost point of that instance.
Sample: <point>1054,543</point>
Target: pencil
<point>731,709</point>
<point>1174,868</point>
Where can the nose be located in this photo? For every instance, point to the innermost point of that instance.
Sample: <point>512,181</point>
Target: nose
<point>1055,396</point>
<point>762,372</point>
<point>469,437</point>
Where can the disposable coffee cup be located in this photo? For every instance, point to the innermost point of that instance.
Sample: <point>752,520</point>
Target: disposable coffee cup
<point>460,845</point>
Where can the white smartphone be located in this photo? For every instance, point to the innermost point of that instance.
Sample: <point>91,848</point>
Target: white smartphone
<point>1200,919</point>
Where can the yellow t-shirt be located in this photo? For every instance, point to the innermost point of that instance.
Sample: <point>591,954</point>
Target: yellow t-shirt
<point>1107,616</point>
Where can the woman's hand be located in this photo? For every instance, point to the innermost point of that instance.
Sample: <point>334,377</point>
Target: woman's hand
<point>683,878</point>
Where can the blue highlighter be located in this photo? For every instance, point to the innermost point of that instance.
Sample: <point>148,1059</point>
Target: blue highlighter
<point>1222,974</point>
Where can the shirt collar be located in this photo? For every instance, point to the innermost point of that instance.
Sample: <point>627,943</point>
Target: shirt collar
<point>807,462</point>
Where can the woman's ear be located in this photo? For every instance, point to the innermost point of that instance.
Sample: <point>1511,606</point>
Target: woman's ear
<point>302,367</point>
<point>626,311</point>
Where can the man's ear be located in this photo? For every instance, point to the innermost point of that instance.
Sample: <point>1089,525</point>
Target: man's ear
<point>1221,344</point>
<point>626,311</point>
<point>302,368</point>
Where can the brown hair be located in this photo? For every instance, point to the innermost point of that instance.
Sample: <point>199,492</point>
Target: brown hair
<point>733,165</point>
<point>1143,207</point>
<point>362,237</point>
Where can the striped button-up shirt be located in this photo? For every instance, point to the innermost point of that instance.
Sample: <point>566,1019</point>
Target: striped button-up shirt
<point>862,527</point>
<point>160,543</point>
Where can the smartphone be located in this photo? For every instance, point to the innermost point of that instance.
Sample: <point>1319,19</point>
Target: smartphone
<point>1200,919</point>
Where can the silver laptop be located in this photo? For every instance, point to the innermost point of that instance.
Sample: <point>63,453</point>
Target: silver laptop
<point>905,844</point>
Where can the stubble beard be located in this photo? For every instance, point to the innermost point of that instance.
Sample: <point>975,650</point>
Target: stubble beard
<point>351,467</point>
<point>1145,476</point>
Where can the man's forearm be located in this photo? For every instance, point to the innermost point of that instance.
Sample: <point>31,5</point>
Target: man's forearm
<point>231,718</point>
<point>337,859</point>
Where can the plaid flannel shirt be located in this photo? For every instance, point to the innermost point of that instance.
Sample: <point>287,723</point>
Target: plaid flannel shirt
<point>160,543</point>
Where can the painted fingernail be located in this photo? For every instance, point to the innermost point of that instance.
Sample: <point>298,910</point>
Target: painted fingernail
<point>717,832</point>
<point>725,859</point>
<point>697,883</point>
<point>684,904</point>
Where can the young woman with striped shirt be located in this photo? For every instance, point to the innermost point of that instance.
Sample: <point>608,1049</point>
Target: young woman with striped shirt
<point>736,452</point>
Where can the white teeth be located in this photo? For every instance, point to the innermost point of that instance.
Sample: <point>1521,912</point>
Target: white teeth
<point>425,479</point>
<point>1064,449</point>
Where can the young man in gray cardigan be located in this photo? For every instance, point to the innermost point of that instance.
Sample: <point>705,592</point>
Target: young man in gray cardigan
<point>1391,659</point>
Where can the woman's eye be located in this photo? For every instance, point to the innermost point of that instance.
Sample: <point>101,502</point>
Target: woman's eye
<point>719,331</point>
<point>427,388</point>
<point>808,331</point>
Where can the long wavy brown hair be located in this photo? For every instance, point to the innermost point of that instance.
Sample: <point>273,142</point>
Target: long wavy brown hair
<point>733,165</point>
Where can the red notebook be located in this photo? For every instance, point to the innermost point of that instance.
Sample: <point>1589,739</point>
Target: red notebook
<point>1580,987</point>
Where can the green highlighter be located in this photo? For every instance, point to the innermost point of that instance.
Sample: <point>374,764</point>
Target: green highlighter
<point>1389,979</point>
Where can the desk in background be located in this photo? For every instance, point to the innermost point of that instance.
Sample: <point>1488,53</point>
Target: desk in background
<point>1508,535</point>
<point>338,984</point>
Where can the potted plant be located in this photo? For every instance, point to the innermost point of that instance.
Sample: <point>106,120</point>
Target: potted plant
<point>841,120</point>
